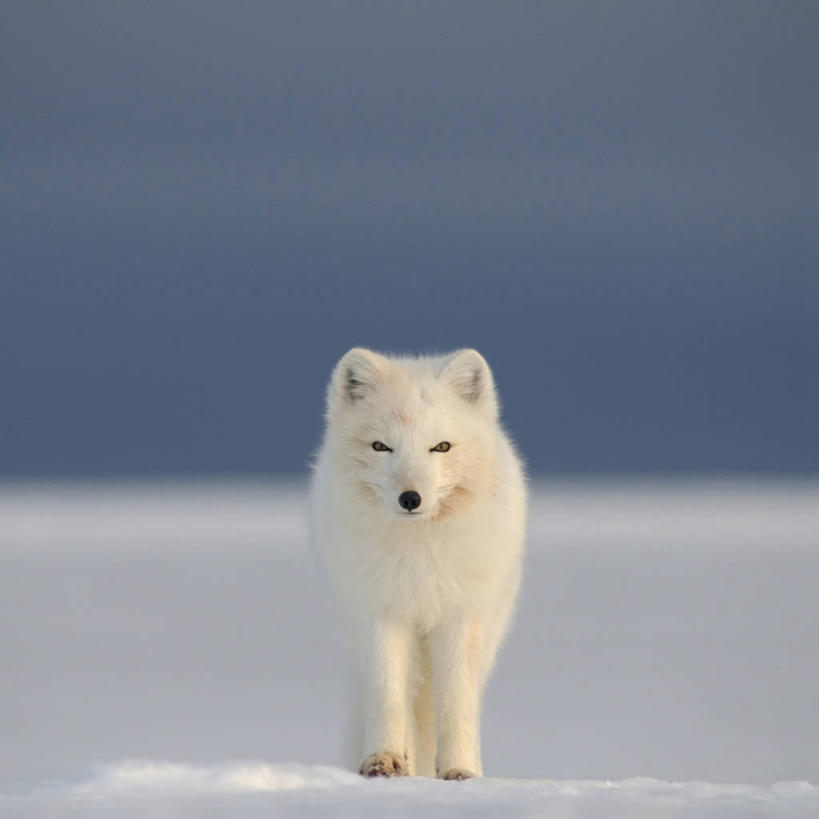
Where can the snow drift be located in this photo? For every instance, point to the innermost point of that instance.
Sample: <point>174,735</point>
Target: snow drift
<point>667,631</point>
<point>146,788</point>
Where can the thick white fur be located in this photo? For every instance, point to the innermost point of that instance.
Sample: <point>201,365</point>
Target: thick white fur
<point>429,595</point>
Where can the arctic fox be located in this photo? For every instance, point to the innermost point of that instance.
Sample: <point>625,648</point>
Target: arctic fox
<point>418,506</point>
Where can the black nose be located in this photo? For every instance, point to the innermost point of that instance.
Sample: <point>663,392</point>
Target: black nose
<point>409,500</point>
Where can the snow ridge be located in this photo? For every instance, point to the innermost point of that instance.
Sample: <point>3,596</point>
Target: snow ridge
<point>137,788</point>
<point>143,776</point>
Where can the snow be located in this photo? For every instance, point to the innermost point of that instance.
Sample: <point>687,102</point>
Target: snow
<point>253,789</point>
<point>153,634</point>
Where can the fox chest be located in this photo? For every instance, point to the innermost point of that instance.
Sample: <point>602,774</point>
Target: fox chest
<point>425,583</point>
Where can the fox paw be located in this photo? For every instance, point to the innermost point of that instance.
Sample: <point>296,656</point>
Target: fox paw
<point>384,763</point>
<point>458,774</point>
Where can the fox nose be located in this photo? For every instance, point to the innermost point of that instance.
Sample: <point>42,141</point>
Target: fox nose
<point>409,500</point>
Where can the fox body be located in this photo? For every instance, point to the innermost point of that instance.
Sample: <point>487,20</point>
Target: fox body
<point>418,506</point>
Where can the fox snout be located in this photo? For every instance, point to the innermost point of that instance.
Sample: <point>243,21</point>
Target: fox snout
<point>409,500</point>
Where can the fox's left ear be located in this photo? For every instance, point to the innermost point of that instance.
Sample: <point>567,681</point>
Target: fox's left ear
<point>469,375</point>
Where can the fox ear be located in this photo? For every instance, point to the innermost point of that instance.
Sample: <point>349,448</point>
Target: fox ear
<point>356,375</point>
<point>469,375</point>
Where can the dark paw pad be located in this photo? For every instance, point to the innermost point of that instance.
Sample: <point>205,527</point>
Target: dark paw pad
<point>457,774</point>
<point>384,763</point>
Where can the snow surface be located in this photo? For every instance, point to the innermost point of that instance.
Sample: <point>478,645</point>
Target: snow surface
<point>151,634</point>
<point>252,789</point>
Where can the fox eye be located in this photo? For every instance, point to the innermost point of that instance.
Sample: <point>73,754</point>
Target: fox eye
<point>379,447</point>
<point>444,446</point>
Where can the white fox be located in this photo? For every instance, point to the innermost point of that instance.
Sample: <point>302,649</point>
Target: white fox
<point>418,506</point>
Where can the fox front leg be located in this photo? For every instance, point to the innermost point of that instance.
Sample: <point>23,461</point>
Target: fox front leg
<point>386,700</point>
<point>455,650</point>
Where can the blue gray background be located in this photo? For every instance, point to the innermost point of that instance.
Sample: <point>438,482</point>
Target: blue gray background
<point>205,204</point>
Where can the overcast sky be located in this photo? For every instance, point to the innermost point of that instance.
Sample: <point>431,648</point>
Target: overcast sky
<point>203,205</point>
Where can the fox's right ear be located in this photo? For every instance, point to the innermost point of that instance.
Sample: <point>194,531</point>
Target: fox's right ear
<point>356,375</point>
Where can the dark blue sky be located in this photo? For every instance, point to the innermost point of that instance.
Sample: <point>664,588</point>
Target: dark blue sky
<point>205,204</point>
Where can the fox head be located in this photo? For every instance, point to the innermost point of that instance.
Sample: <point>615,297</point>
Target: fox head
<point>413,437</point>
